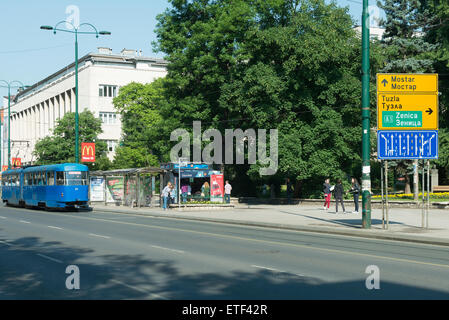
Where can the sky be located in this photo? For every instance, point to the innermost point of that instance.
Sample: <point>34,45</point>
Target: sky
<point>29,54</point>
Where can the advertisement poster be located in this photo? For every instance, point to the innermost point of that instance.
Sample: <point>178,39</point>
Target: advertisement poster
<point>96,189</point>
<point>114,190</point>
<point>217,188</point>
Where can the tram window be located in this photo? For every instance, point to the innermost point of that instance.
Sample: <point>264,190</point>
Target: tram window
<point>76,178</point>
<point>44,178</point>
<point>51,178</point>
<point>60,178</point>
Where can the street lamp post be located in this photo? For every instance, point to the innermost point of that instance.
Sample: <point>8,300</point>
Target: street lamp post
<point>76,32</point>
<point>366,149</point>
<point>10,85</point>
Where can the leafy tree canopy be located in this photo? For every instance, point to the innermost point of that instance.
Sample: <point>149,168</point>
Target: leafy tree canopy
<point>287,65</point>
<point>60,147</point>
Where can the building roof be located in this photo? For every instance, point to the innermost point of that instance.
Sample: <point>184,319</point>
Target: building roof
<point>94,57</point>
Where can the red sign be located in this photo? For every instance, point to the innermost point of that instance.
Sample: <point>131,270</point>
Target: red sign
<point>217,186</point>
<point>16,162</point>
<point>4,168</point>
<point>87,152</point>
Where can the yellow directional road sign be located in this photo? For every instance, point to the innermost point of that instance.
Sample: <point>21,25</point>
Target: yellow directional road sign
<point>407,111</point>
<point>407,83</point>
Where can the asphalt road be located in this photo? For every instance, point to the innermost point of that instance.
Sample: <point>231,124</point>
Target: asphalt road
<point>123,256</point>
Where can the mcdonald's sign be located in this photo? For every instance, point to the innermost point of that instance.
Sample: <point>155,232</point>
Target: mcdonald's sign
<point>87,152</point>
<point>16,162</point>
<point>4,168</point>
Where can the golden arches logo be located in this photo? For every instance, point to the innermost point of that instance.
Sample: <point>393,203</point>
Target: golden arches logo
<point>88,151</point>
<point>16,162</point>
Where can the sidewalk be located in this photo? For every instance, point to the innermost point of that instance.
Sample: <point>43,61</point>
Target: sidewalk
<point>405,224</point>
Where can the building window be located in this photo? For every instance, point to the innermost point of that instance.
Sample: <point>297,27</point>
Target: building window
<point>107,91</point>
<point>112,144</point>
<point>108,117</point>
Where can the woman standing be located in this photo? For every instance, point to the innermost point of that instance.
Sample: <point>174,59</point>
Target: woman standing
<point>327,194</point>
<point>205,191</point>
<point>355,190</point>
<point>166,195</point>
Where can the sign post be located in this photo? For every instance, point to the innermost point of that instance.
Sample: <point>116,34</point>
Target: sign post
<point>183,162</point>
<point>407,121</point>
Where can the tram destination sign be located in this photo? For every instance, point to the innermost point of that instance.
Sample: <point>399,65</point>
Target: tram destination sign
<point>407,83</point>
<point>407,111</point>
<point>400,144</point>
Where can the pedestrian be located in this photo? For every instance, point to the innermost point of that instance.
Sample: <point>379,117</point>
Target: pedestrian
<point>184,192</point>
<point>166,195</point>
<point>228,189</point>
<point>205,191</point>
<point>173,194</point>
<point>327,194</point>
<point>289,191</point>
<point>355,190</point>
<point>339,193</point>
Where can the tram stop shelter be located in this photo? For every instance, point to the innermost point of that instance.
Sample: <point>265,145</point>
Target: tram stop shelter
<point>127,187</point>
<point>193,176</point>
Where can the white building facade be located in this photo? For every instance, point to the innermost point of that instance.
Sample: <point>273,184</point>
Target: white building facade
<point>35,110</point>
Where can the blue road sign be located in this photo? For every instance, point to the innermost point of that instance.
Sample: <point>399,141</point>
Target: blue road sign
<point>396,144</point>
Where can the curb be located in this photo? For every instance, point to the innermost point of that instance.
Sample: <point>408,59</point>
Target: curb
<point>356,232</point>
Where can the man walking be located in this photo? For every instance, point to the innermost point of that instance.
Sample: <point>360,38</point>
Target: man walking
<point>355,190</point>
<point>289,191</point>
<point>228,189</point>
<point>339,193</point>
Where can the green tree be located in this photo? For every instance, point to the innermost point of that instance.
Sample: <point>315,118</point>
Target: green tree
<point>60,147</point>
<point>437,30</point>
<point>407,51</point>
<point>287,65</point>
<point>145,128</point>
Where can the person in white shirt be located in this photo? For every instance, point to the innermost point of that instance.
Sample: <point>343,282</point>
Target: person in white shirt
<point>227,195</point>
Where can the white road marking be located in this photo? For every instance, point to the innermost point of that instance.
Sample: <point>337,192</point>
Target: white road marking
<point>99,235</point>
<point>138,289</point>
<point>23,221</point>
<point>266,268</point>
<point>8,244</point>
<point>52,227</point>
<point>168,249</point>
<point>49,258</point>
<point>2,217</point>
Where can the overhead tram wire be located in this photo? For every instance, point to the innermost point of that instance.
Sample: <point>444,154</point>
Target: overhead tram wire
<point>32,50</point>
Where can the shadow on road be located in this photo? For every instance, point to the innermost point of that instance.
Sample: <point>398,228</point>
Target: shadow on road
<point>24,275</point>
<point>353,223</point>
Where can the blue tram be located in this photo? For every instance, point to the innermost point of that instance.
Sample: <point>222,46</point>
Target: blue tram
<point>53,186</point>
